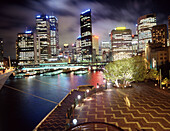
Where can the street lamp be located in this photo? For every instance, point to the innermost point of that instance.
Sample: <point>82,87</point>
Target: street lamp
<point>105,81</point>
<point>97,85</point>
<point>79,97</point>
<point>74,121</point>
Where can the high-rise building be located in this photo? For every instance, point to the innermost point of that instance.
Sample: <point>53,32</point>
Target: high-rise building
<point>135,44</point>
<point>1,49</point>
<point>43,38</point>
<point>54,37</point>
<point>95,44</point>
<point>25,48</point>
<point>105,51</point>
<point>121,40</point>
<point>144,26</point>
<point>76,50</point>
<point>169,28</point>
<point>86,35</point>
<point>159,34</point>
<point>66,50</point>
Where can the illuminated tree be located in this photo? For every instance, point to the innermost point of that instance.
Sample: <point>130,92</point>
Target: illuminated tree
<point>165,81</point>
<point>152,74</point>
<point>119,70</point>
<point>127,70</point>
<point>158,77</point>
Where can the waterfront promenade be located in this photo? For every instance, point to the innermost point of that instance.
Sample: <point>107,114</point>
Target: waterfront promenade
<point>142,107</point>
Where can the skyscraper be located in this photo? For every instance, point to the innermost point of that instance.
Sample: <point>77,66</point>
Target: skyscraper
<point>105,50</point>
<point>43,38</point>
<point>54,38</point>
<point>159,35</point>
<point>144,26</point>
<point>121,41</point>
<point>86,35</point>
<point>1,49</point>
<point>95,44</point>
<point>25,48</point>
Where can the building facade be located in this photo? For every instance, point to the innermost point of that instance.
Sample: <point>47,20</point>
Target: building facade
<point>25,48</point>
<point>144,27</point>
<point>105,51</point>
<point>43,38</point>
<point>95,44</point>
<point>135,44</point>
<point>121,40</point>
<point>159,34</point>
<point>54,36</point>
<point>86,36</point>
<point>76,50</point>
<point>157,55</point>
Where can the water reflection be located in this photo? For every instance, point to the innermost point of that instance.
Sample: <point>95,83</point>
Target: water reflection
<point>21,111</point>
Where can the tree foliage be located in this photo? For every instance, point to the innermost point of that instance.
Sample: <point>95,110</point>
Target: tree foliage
<point>129,69</point>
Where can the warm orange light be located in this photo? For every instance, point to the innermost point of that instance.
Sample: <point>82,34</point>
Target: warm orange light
<point>96,37</point>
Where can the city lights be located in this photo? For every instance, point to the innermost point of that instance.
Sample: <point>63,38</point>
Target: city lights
<point>86,11</point>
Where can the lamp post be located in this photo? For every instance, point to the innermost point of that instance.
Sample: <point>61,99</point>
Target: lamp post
<point>160,79</point>
<point>105,81</point>
<point>97,85</point>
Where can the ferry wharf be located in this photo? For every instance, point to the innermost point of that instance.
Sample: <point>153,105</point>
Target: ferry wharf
<point>141,107</point>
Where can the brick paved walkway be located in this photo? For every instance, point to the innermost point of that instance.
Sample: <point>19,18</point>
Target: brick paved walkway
<point>147,109</point>
<point>56,119</point>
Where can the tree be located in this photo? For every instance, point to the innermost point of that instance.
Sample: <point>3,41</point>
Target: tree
<point>165,81</point>
<point>140,68</point>
<point>129,69</point>
<point>152,74</point>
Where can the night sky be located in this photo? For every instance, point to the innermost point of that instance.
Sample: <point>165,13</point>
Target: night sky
<point>17,15</point>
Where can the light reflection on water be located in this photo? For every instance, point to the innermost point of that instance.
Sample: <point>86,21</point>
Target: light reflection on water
<point>20,111</point>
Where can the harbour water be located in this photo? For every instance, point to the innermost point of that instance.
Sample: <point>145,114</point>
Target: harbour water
<point>25,102</point>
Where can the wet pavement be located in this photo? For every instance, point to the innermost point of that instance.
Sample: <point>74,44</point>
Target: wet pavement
<point>138,108</point>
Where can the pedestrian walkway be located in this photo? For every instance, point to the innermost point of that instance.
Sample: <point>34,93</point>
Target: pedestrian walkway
<point>137,108</point>
<point>56,119</point>
<point>146,109</point>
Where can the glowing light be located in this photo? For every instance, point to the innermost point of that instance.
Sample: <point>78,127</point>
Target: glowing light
<point>74,121</point>
<point>79,97</point>
<point>38,16</point>
<point>87,91</point>
<point>79,37</point>
<point>86,11</point>
<point>136,25</point>
<point>96,37</point>
<point>65,44</point>
<point>120,28</point>
<point>46,16</point>
<point>28,31</point>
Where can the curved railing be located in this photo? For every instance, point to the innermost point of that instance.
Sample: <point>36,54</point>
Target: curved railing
<point>94,126</point>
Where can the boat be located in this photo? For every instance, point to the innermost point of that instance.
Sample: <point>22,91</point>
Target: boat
<point>66,70</point>
<point>80,72</point>
<point>52,73</point>
<point>4,76</point>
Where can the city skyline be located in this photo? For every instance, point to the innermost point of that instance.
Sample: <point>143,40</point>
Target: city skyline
<point>16,16</point>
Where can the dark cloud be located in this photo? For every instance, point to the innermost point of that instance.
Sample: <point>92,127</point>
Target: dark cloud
<point>16,15</point>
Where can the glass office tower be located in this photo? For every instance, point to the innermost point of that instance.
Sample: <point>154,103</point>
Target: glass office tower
<point>25,48</point>
<point>144,27</point>
<point>43,38</point>
<point>86,36</point>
